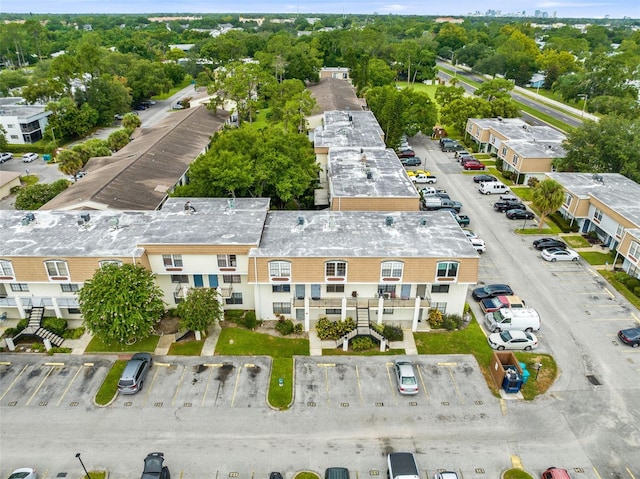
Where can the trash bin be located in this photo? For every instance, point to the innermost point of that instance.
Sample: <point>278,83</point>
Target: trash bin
<point>46,157</point>
<point>512,381</point>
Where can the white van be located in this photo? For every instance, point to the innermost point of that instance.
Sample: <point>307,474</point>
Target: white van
<point>493,187</point>
<point>507,319</point>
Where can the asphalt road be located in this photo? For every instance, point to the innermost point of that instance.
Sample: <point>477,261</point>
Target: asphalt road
<point>210,418</point>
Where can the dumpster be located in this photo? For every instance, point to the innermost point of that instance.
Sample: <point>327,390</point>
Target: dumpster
<point>46,157</point>
<point>512,381</point>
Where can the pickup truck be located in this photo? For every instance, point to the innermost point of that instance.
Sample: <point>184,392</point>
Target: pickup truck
<point>437,203</point>
<point>463,220</point>
<point>402,465</point>
<point>424,179</point>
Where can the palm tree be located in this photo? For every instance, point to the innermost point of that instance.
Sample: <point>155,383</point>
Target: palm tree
<point>548,196</point>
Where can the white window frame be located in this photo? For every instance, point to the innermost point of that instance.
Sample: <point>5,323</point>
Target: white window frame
<point>568,198</point>
<point>515,160</point>
<point>597,216</point>
<point>6,269</point>
<point>279,271</point>
<point>391,271</point>
<point>172,261</point>
<point>335,278</point>
<point>634,250</point>
<point>448,278</point>
<point>60,267</point>
<point>619,231</point>
<point>106,262</point>
<point>227,261</point>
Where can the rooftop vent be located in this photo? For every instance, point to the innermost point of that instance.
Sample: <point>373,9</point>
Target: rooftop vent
<point>85,217</point>
<point>115,223</point>
<point>423,221</point>
<point>369,175</point>
<point>300,220</point>
<point>231,203</point>
<point>188,208</point>
<point>27,219</point>
<point>499,118</point>
<point>598,179</point>
<point>388,221</point>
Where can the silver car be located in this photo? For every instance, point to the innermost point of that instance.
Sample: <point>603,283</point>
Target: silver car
<point>405,376</point>
<point>29,157</point>
<point>134,373</point>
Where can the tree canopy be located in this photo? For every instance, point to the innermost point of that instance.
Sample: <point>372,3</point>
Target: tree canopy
<point>548,196</point>
<point>200,309</point>
<point>121,303</point>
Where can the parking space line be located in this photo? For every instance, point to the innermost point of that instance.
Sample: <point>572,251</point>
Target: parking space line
<point>150,386</point>
<point>424,387</point>
<point>455,385</point>
<point>516,462</point>
<point>51,368</point>
<point>359,385</point>
<point>630,473</point>
<point>596,472</point>
<point>175,395</point>
<point>206,389</point>
<point>503,407</point>
<point>235,387</point>
<point>13,382</point>
<point>66,390</point>
<point>391,381</point>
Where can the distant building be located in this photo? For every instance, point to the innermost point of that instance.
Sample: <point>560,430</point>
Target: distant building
<point>22,123</point>
<point>335,72</point>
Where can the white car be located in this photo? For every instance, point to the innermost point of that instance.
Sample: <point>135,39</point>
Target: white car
<point>29,157</point>
<point>445,475</point>
<point>24,473</point>
<point>513,340</point>
<point>470,234</point>
<point>5,157</point>
<point>559,254</point>
<point>478,244</point>
<point>405,376</point>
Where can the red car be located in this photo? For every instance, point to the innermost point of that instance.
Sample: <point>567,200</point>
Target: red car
<point>406,154</point>
<point>474,165</point>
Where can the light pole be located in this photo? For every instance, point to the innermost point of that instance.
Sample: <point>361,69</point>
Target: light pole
<point>455,70</point>
<point>584,105</point>
<point>82,463</point>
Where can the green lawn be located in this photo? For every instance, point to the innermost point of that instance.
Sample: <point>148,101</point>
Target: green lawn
<point>576,241</point>
<point>186,348</point>
<point>280,396</point>
<point>109,387</point>
<point>147,345</point>
<point>597,258</point>
<point>472,340</point>
<point>242,342</point>
<point>610,276</point>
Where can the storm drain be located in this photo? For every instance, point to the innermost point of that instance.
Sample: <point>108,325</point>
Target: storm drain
<point>578,469</point>
<point>128,403</point>
<point>188,404</point>
<point>479,470</point>
<point>379,404</point>
<point>13,403</point>
<point>234,474</point>
<point>62,474</point>
<point>478,403</point>
<point>344,404</point>
<point>593,380</point>
<point>445,403</point>
<point>311,404</point>
<point>43,403</point>
<point>374,472</point>
<point>157,404</point>
<point>74,403</point>
<point>413,403</point>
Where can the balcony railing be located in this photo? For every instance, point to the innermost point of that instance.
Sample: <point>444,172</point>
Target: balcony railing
<point>352,303</point>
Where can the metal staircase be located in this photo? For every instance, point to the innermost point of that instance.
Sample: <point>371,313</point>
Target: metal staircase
<point>363,328</point>
<point>34,328</point>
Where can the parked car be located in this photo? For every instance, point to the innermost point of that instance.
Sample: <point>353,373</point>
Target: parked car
<point>154,467</point>
<point>118,116</point>
<point>5,157</point>
<point>463,220</point>
<point>147,103</point>
<point>412,161</point>
<point>520,214</point>
<point>417,172</point>
<point>24,473</point>
<point>630,336</point>
<point>445,475</point>
<point>508,196</point>
<point>555,473</point>
<point>473,165</point>
<point>478,244</point>
<point>29,157</point>
<point>559,254</point>
<point>435,192</point>
<point>470,234</point>
<point>275,475</point>
<point>452,146</point>
<point>134,373</point>
<point>544,243</point>
<point>139,107</point>
<point>406,154</point>
<point>507,205</point>
<point>482,178</point>
<point>423,179</point>
<point>405,376</point>
<point>491,305</point>
<point>491,291</point>
<point>520,340</point>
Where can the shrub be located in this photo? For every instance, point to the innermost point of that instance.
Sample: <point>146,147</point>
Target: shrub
<point>75,333</point>
<point>9,333</point>
<point>451,321</point>
<point>507,175</point>
<point>284,326</point>
<point>362,343</point>
<point>297,328</point>
<point>234,315</point>
<point>621,277</point>
<point>55,325</point>
<point>250,320</point>
<point>59,350</point>
<point>636,291</point>
<point>632,284</point>
<point>498,164</point>
<point>393,333</point>
<point>532,182</point>
<point>328,329</point>
<point>23,323</point>
<point>37,347</point>
<point>435,319</point>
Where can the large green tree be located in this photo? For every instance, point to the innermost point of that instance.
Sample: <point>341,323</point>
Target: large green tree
<point>548,196</point>
<point>200,309</point>
<point>33,197</point>
<point>121,303</point>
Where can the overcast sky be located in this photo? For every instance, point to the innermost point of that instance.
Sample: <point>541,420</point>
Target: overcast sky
<point>558,8</point>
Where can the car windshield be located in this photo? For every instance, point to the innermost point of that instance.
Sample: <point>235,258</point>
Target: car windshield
<point>505,336</point>
<point>408,380</point>
<point>19,475</point>
<point>125,382</point>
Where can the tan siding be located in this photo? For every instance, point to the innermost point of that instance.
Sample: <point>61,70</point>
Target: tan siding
<point>366,270</point>
<point>375,204</point>
<point>612,214</point>
<point>534,165</point>
<point>80,269</point>
<point>197,249</point>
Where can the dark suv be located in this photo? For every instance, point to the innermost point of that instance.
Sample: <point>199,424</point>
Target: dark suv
<point>503,206</point>
<point>412,161</point>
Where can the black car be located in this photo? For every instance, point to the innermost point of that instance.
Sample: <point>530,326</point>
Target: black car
<point>630,336</point>
<point>491,291</point>
<point>507,205</point>
<point>520,214</point>
<point>483,178</point>
<point>452,146</point>
<point>154,467</point>
<point>406,154</point>
<point>544,243</point>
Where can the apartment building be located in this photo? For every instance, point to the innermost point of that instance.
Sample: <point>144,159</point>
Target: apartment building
<point>604,204</point>
<point>524,149</point>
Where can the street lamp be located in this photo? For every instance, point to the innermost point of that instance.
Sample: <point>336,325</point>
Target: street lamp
<point>584,105</point>
<point>82,463</point>
<point>455,70</point>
